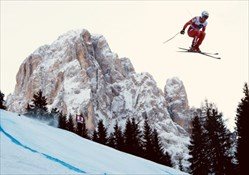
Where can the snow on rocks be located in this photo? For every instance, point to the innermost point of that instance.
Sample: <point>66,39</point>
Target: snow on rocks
<point>78,73</point>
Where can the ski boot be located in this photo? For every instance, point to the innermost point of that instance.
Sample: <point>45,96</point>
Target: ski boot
<point>194,49</point>
<point>197,49</point>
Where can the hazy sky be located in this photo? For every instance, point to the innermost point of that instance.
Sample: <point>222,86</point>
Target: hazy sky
<point>137,30</point>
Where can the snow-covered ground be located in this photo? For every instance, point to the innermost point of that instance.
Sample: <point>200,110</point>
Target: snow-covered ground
<point>31,147</point>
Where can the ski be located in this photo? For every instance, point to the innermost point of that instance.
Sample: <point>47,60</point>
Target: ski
<point>203,53</point>
<point>209,53</point>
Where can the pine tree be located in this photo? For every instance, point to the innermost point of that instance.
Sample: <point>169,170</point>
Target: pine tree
<point>118,138</point>
<point>102,133</point>
<point>159,155</point>
<point>40,101</point>
<point>148,141</point>
<point>128,137</point>
<point>157,148</point>
<point>242,120</point>
<point>70,124</point>
<point>62,121</point>
<point>79,128</point>
<point>39,107</point>
<point>198,160</point>
<point>219,143</point>
<point>132,137</point>
<point>95,136</point>
<point>166,159</point>
<point>136,138</point>
<point>84,130</point>
<point>111,141</point>
<point>2,106</point>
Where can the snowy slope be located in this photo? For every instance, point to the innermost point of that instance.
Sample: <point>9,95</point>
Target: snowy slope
<point>31,147</point>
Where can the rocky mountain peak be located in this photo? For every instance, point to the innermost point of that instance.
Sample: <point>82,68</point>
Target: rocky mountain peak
<point>78,73</point>
<point>175,93</point>
<point>178,107</point>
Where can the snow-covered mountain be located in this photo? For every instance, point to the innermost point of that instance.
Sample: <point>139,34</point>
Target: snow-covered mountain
<point>31,147</point>
<point>177,100</point>
<point>78,73</point>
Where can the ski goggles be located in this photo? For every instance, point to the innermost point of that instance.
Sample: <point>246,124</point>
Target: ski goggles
<point>205,16</point>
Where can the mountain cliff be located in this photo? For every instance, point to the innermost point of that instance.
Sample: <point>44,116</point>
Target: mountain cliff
<point>177,100</point>
<point>78,73</point>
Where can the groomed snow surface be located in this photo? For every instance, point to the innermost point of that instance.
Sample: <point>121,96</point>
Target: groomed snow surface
<point>31,147</point>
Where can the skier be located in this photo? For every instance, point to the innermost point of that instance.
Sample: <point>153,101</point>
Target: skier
<point>196,24</point>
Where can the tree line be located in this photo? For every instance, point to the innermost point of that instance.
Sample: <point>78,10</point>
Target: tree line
<point>212,144</point>
<point>144,142</point>
<point>210,148</point>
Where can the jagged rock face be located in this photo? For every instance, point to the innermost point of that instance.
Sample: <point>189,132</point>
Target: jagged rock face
<point>78,73</point>
<point>176,97</point>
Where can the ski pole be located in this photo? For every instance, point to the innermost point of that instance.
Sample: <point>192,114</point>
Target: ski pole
<point>171,38</point>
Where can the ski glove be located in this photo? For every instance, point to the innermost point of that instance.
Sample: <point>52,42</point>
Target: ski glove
<point>182,31</point>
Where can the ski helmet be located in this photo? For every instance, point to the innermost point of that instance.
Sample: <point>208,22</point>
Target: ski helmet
<point>205,14</point>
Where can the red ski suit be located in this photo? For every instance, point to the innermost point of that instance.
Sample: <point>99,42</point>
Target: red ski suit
<point>194,30</point>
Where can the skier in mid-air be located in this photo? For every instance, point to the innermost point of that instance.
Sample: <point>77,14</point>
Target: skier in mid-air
<point>196,30</point>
